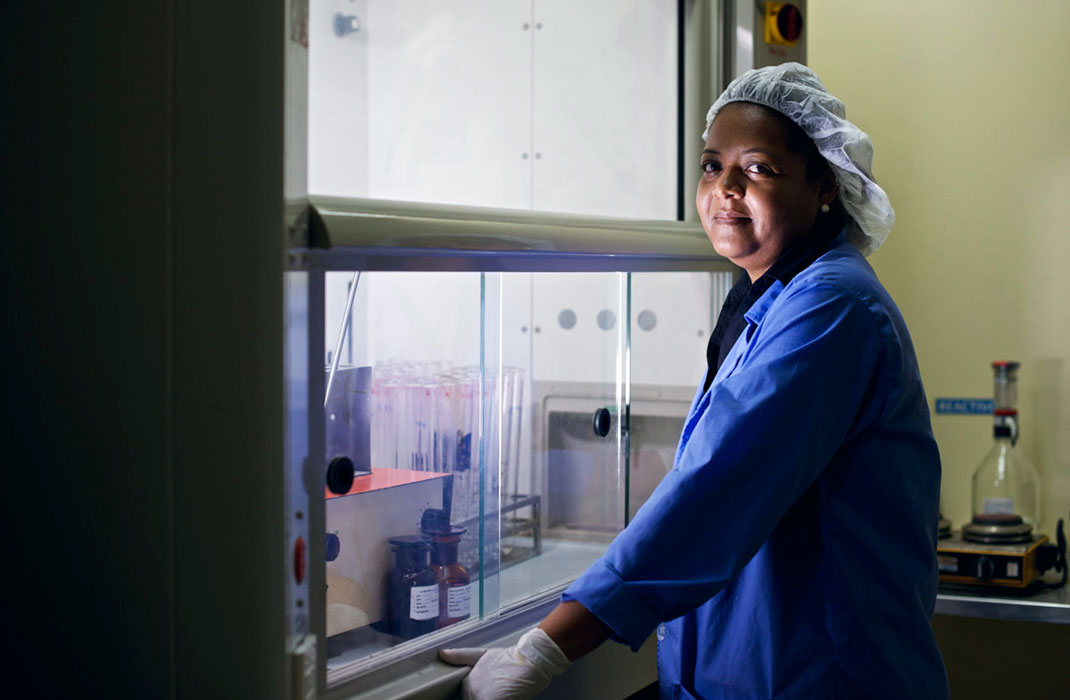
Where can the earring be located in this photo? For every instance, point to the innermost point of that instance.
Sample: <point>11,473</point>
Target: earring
<point>825,208</point>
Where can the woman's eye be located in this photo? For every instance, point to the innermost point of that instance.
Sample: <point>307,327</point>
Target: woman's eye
<point>759,169</point>
<point>709,167</point>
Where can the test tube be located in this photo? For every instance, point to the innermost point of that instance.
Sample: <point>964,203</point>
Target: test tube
<point>424,413</point>
<point>451,422</point>
<point>468,442</point>
<point>446,394</point>
<point>506,413</point>
<point>377,416</point>
<point>409,435</point>
<point>393,408</point>
<point>516,418</point>
<point>492,442</point>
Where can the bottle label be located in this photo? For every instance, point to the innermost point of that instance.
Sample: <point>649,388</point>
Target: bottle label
<point>423,602</point>
<point>999,505</point>
<point>459,601</point>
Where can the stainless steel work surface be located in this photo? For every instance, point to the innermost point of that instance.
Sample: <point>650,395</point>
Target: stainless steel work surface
<point>1049,606</point>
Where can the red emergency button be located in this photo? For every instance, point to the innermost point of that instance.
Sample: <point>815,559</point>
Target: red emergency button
<point>783,24</point>
<point>789,23</point>
<point>300,559</point>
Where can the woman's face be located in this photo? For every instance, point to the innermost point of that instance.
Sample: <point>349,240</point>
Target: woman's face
<point>754,197</point>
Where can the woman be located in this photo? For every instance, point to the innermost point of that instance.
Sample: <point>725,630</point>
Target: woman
<point>790,551</point>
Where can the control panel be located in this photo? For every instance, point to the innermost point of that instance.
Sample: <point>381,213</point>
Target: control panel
<point>1006,565</point>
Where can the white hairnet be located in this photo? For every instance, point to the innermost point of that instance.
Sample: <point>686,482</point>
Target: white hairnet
<point>795,91</point>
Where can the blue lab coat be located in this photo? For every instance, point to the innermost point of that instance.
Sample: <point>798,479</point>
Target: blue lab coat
<point>790,552</point>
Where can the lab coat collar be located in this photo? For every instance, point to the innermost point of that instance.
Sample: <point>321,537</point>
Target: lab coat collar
<point>784,271</point>
<point>759,308</point>
<point>732,319</point>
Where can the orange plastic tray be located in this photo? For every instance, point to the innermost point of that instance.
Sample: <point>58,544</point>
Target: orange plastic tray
<point>385,479</point>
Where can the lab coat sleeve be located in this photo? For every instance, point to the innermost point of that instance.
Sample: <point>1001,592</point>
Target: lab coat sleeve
<point>805,383</point>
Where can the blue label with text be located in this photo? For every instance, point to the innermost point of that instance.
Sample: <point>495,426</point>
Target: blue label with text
<point>966,407</point>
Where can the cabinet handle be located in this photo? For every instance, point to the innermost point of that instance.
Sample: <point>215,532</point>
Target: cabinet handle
<point>601,422</point>
<point>340,475</point>
<point>344,25</point>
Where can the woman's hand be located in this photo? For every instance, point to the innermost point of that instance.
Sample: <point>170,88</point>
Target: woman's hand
<point>516,673</point>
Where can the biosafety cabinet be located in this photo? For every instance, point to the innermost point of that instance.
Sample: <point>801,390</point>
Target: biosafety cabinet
<point>485,397</point>
<point>498,303</point>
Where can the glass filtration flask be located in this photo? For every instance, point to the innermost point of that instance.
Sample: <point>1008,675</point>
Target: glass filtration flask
<point>1005,482</point>
<point>413,589</point>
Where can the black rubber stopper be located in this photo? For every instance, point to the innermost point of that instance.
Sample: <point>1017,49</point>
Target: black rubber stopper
<point>340,475</point>
<point>601,422</point>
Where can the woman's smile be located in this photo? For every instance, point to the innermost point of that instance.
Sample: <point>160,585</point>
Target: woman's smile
<point>730,218</point>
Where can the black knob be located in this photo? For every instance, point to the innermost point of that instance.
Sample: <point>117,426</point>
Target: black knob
<point>340,475</point>
<point>601,421</point>
<point>334,546</point>
<point>1047,556</point>
<point>985,568</point>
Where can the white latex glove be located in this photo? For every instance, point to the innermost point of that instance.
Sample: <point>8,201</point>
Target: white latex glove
<point>516,673</point>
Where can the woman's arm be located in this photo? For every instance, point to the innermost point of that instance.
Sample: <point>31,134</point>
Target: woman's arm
<point>574,629</point>
<point>771,427</point>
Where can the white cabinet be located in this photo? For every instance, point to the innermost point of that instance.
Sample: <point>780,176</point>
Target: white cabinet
<point>605,108</point>
<point>449,102</point>
<point>552,105</point>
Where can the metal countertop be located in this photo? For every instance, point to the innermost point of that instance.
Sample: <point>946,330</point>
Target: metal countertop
<point>1048,606</point>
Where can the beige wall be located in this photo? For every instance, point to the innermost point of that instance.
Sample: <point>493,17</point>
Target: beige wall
<point>968,106</point>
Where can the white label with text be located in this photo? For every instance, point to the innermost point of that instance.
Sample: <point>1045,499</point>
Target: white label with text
<point>423,602</point>
<point>459,601</point>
